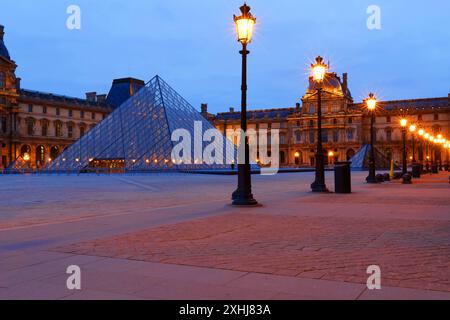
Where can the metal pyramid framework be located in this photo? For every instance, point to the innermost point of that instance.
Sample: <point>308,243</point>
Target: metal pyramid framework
<point>360,161</point>
<point>137,135</point>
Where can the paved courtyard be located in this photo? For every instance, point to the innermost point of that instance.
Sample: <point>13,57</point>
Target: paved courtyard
<point>175,236</point>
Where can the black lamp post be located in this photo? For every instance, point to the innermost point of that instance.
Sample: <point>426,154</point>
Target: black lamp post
<point>371,103</point>
<point>412,129</point>
<point>244,26</point>
<point>319,70</point>
<point>403,123</point>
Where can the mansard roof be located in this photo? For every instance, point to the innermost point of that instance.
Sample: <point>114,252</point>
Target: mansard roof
<point>26,95</point>
<point>257,114</point>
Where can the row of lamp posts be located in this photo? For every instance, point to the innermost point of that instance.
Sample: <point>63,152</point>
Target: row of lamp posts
<point>243,195</point>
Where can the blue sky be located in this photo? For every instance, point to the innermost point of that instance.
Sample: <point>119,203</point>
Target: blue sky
<point>191,44</point>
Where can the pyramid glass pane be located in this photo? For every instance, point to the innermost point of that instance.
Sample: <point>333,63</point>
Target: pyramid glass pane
<point>137,135</point>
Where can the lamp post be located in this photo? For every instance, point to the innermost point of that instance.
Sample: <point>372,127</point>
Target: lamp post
<point>439,141</point>
<point>412,130</point>
<point>371,103</point>
<point>403,124</point>
<point>244,27</point>
<point>432,154</point>
<point>421,133</point>
<point>319,70</point>
<point>426,136</point>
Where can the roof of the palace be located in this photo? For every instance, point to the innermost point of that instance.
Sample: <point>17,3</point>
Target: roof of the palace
<point>3,50</point>
<point>412,104</point>
<point>56,98</point>
<point>122,89</point>
<point>257,114</point>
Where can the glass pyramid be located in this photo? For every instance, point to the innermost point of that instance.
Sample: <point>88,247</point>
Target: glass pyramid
<point>137,135</point>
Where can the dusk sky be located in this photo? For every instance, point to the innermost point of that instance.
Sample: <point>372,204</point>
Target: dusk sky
<point>192,46</point>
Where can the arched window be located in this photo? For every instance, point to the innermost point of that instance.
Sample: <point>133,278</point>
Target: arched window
<point>40,155</point>
<point>25,149</point>
<point>311,136</point>
<point>388,134</point>
<point>325,136</point>
<point>2,80</point>
<point>70,130</point>
<point>83,130</point>
<point>30,126</point>
<point>54,152</point>
<point>58,128</point>
<point>298,136</point>
<point>312,108</point>
<point>335,135</point>
<point>44,127</point>
<point>350,134</point>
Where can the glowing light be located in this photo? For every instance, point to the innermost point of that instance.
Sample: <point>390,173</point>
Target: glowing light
<point>26,157</point>
<point>439,136</point>
<point>426,135</point>
<point>412,128</point>
<point>319,69</point>
<point>244,25</point>
<point>297,155</point>
<point>331,154</point>
<point>371,102</point>
<point>421,132</point>
<point>77,160</point>
<point>403,122</point>
<point>147,161</point>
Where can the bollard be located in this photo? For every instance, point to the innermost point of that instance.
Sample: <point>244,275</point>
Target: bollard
<point>434,168</point>
<point>416,170</point>
<point>407,179</point>
<point>379,177</point>
<point>342,177</point>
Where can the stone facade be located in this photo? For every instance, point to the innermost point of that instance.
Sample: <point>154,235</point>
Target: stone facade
<point>345,124</point>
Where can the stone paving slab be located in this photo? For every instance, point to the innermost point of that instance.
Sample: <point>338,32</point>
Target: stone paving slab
<point>412,254</point>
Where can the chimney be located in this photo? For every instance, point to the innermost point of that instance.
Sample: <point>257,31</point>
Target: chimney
<point>91,96</point>
<point>297,107</point>
<point>231,109</point>
<point>204,108</point>
<point>2,32</point>
<point>101,98</point>
<point>345,82</point>
<point>18,80</point>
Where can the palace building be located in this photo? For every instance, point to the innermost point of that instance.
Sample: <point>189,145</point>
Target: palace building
<point>345,124</point>
<point>41,125</point>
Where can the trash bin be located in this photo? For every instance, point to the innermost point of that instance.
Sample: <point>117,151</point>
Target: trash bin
<point>416,170</point>
<point>342,177</point>
<point>434,168</point>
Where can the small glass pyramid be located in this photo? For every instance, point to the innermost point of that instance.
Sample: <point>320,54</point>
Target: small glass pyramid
<point>137,136</point>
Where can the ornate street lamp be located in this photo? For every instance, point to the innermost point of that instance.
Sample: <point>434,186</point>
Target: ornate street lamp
<point>403,124</point>
<point>319,70</point>
<point>244,27</point>
<point>412,130</point>
<point>371,104</point>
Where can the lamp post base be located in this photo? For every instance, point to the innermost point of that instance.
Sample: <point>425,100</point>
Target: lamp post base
<point>371,179</point>
<point>241,198</point>
<point>319,187</point>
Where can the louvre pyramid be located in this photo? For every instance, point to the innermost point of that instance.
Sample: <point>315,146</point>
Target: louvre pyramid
<point>360,161</point>
<point>139,134</point>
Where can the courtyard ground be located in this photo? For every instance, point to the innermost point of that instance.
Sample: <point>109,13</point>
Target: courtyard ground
<point>175,236</point>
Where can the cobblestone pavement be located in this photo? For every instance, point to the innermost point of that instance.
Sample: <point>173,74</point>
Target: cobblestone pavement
<point>175,236</point>
<point>411,254</point>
